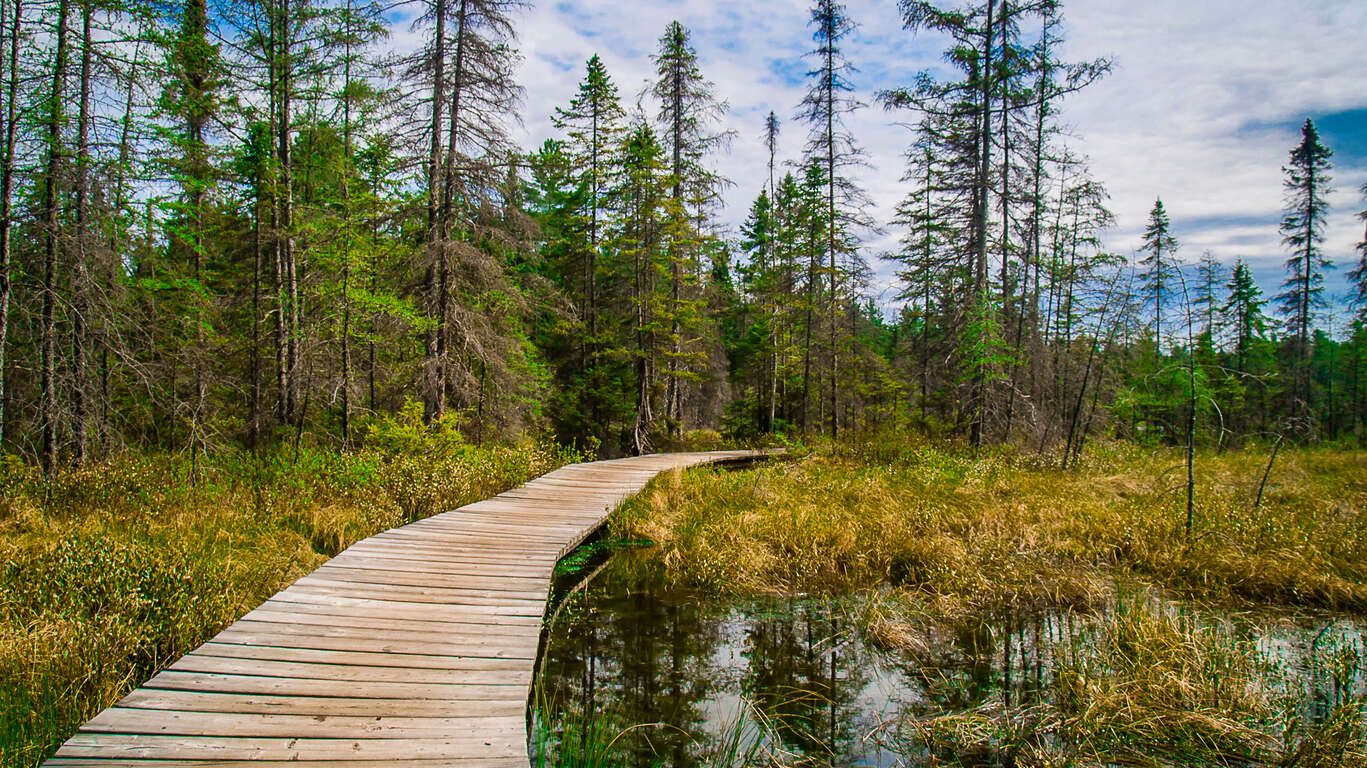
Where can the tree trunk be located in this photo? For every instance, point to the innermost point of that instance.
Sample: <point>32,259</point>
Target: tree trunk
<point>982,184</point>
<point>51,245</point>
<point>80,289</point>
<point>287,213</point>
<point>432,350</point>
<point>7,196</point>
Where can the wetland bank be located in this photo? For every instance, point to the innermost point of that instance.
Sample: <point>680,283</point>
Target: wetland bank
<point>862,606</point>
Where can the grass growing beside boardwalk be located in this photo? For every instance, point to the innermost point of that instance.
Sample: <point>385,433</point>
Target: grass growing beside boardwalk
<point>110,573</point>
<point>977,534</point>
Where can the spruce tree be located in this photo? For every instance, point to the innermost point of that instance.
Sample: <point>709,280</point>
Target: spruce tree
<point>1302,228</point>
<point>641,203</point>
<point>1357,278</point>
<point>1159,266</point>
<point>593,123</point>
<point>689,107</point>
<point>1242,314</point>
<point>831,145</point>
<point>1209,275</point>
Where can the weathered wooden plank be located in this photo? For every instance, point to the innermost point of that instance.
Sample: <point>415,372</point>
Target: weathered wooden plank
<point>287,686</point>
<point>137,763</point>
<point>357,658</point>
<point>173,723</point>
<point>196,662</point>
<point>360,616</point>
<point>318,706</point>
<point>501,583</point>
<point>333,596</point>
<point>191,747</point>
<point>378,644</point>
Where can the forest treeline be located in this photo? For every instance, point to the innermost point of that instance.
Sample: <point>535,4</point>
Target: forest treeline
<point>255,223</point>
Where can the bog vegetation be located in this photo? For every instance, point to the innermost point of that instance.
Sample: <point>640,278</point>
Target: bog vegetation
<point>939,541</point>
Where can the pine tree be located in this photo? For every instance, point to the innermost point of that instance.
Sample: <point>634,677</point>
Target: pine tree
<point>759,279</point>
<point>688,108</point>
<point>1242,313</point>
<point>1209,276</point>
<point>1307,203</point>
<point>1160,268</point>
<point>191,101</point>
<point>52,236</point>
<point>1357,278</point>
<point>593,124</point>
<point>641,200</point>
<point>831,145</point>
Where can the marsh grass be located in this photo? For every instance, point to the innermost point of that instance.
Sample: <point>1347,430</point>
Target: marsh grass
<point>938,540</point>
<point>1151,688</point>
<point>973,534</point>
<point>111,572</point>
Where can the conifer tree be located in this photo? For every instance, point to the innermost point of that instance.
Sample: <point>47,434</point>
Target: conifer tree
<point>1307,203</point>
<point>53,153</point>
<point>688,109</point>
<point>1242,314</point>
<point>831,145</point>
<point>190,102</point>
<point>1159,266</point>
<point>1357,278</point>
<point>593,123</point>
<point>641,201</point>
<point>1209,276</point>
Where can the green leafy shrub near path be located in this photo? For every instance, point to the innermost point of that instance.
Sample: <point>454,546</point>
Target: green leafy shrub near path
<point>109,573</point>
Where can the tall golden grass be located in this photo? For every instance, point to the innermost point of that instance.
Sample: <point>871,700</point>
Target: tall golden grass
<point>1000,530</point>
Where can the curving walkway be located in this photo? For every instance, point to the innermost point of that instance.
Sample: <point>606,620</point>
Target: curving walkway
<point>415,646</point>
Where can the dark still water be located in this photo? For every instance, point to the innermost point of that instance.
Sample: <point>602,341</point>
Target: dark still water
<point>641,677</point>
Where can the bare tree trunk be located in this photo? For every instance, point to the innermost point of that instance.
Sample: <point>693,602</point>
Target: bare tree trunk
<point>446,216</point>
<point>50,246</point>
<point>346,235</point>
<point>983,183</point>
<point>433,352</point>
<point>830,80</point>
<point>116,242</point>
<point>674,401</point>
<point>80,289</point>
<point>287,210</point>
<point>7,196</point>
<point>282,325</point>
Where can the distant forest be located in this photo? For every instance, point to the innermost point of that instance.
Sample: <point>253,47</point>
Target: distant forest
<point>243,225</point>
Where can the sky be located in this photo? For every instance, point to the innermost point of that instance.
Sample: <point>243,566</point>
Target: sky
<point>1204,103</point>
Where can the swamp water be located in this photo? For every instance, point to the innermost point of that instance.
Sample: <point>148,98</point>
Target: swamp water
<point>640,677</point>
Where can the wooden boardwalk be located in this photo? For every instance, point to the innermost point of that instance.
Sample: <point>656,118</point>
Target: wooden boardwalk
<point>414,647</point>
